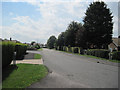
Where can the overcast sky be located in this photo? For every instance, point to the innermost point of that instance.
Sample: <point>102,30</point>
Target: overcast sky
<point>37,20</point>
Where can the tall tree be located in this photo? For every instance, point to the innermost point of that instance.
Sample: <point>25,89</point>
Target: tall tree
<point>33,42</point>
<point>70,33</point>
<point>98,24</point>
<point>80,37</point>
<point>51,42</point>
<point>61,39</point>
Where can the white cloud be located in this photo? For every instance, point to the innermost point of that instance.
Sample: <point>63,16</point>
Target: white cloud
<point>55,19</point>
<point>10,13</point>
<point>30,1</point>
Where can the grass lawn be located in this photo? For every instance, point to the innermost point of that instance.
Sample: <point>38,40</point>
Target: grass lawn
<point>117,61</point>
<point>40,49</point>
<point>37,56</point>
<point>22,75</point>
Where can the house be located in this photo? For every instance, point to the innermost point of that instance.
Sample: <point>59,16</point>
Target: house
<point>115,45</point>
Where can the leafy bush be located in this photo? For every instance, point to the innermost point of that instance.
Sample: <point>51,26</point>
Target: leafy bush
<point>69,49</point>
<point>98,53</point>
<point>64,48</point>
<point>75,50</point>
<point>60,48</point>
<point>37,46</point>
<point>8,48</point>
<point>20,50</point>
<point>116,55</point>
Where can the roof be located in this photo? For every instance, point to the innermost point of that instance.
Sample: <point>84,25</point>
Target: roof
<point>116,41</point>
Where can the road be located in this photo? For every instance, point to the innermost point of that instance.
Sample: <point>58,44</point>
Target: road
<point>74,71</point>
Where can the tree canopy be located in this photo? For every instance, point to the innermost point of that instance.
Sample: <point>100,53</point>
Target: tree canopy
<point>70,33</point>
<point>51,42</point>
<point>61,39</point>
<point>98,24</point>
<point>80,36</point>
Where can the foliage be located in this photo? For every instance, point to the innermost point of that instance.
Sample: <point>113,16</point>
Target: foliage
<point>37,46</point>
<point>20,50</point>
<point>51,42</point>
<point>98,24</point>
<point>116,55</point>
<point>61,40</point>
<point>69,49</point>
<point>80,36</point>
<point>76,50</point>
<point>70,33</point>
<point>32,42</point>
<point>8,48</point>
<point>98,53</point>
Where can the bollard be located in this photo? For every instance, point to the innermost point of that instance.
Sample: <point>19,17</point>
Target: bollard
<point>14,59</point>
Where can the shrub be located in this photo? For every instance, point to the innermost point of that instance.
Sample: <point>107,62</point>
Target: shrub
<point>64,48</point>
<point>69,49</point>
<point>30,47</point>
<point>75,50</point>
<point>8,48</point>
<point>98,53</point>
<point>60,48</point>
<point>116,55</point>
<point>20,50</point>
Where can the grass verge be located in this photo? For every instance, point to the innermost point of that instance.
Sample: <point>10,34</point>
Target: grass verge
<point>23,75</point>
<point>40,49</point>
<point>116,61</point>
<point>37,56</point>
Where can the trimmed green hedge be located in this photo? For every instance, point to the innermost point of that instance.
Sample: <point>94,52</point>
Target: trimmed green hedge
<point>75,50</point>
<point>69,49</point>
<point>98,53</point>
<point>8,49</point>
<point>20,50</point>
<point>116,55</point>
<point>7,52</point>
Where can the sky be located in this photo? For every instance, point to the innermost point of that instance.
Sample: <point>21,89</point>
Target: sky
<point>37,20</point>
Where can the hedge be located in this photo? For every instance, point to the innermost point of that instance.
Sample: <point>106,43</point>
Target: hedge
<point>75,50</point>
<point>69,49</point>
<point>98,53</point>
<point>8,48</point>
<point>20,50</point>
<point>116,55</point>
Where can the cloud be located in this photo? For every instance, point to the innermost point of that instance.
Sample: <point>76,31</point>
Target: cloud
<point>10,13</point>
<point>55,17</point>
<point>30,1</point>
<point>54,20</point>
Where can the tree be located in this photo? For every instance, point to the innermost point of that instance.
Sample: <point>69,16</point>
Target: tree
<point>37,46</point>
<point>51,41</point>
<point>98,24</point>
<point>60,41</point>
<point>80,37</point>
<point>32,43</point>
<point>70,34</point>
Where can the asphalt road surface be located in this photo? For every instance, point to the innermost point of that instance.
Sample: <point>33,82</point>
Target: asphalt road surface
<point>74,71</point>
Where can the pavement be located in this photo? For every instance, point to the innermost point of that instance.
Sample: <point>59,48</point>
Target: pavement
<point>75,71</point>
<point>29,59</point>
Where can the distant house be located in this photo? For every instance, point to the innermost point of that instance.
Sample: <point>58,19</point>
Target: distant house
<point>115,45</point>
